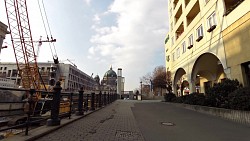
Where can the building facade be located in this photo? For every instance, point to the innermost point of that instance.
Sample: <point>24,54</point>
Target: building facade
<point>71,78</point>
<point>3,32</point>
<point>207,42</point>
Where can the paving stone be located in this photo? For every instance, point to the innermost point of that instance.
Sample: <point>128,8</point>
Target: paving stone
<point>115,122</point>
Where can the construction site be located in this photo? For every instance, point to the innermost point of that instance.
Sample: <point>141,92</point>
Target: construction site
<point>28,88</point>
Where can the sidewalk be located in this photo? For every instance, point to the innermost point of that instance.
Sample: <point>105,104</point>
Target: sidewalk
<point>114,122</point>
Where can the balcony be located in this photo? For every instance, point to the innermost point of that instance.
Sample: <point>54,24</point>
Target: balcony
<point>186,2</point>
<point>231,5</point>
<point>178,14</point>
<point>179,31</point>
<point>193,12</point>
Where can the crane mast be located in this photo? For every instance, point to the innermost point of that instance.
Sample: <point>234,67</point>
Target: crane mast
<point>19,26</point>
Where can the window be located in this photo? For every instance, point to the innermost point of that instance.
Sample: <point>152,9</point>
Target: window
<point>184,47</point>
<point>5,68</point>
<point>206,1</point>
<point>170,12</point>
<point>211,22</point>
<point>178,52</point>
<point>167,58</point>
<point>172,41</point>
<point>1,68</point>
<point>171,26</point>
<point>190,41</point>
<point>199,33</point>
<point>173,56</point>
<point>14,73</point>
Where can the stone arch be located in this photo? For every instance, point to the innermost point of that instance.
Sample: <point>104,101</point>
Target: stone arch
<point>180,80</point>
<point>207,70</point>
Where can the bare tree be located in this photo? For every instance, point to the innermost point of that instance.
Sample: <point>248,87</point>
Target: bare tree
<point>169,82</point>
<point>159,77</point>
<point>146,78</point>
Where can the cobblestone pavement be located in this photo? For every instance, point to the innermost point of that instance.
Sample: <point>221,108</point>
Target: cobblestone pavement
<point>115,122</point>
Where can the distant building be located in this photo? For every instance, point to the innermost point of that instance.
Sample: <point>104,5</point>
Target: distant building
<point>3,32</point>
<point>71,78</point>
<point>208,41</point>
<point>109,81</point>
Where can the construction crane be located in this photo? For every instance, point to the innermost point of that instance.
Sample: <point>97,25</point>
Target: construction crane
<point>22,42</point>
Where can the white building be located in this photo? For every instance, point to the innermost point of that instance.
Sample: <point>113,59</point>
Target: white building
<point>71,78</point>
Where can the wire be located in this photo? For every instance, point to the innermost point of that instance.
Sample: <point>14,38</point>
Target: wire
<point>46,18</point>
<point>48,26</point>
<point>42,18</point>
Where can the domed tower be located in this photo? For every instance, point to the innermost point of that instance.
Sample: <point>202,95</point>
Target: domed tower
<point>109,81</point>
<point>97,79</point>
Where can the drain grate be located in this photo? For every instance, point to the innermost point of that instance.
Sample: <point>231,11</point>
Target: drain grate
<point>127,135</point>
<point>168,123</point>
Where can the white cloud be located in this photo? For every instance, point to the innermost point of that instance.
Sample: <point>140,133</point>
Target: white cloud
<point>96,19</point>
<point>136,40</point>
<point>88,2</point>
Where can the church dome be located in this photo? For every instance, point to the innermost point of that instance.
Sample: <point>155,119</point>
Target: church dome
<point>110,73</point>
<point>97,77</point>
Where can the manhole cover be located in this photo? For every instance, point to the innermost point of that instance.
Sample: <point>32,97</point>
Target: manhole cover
<point>167,123</point>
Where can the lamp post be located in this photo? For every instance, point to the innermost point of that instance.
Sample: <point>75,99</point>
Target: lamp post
<point>141,90</point>
<point>141,87</point>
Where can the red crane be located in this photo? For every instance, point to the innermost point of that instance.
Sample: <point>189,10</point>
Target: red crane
<point>21,37</point>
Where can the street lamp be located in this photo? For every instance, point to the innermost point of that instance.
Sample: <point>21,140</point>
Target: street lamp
<point>141,87</point>
<point>141,90</point>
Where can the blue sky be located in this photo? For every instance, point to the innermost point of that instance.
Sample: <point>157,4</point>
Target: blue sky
<point>95,34</point>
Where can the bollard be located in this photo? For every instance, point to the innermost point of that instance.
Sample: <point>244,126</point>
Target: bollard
<point>105,99</point>
<point>70,104</point>
<point>100,99</point>
<point>30,101</point>
<point>54,118</point>
<point>96,101</point>
<point>92,102</point>
<point>80,102</point>
<point>86,104</point>
<point>108,101</point>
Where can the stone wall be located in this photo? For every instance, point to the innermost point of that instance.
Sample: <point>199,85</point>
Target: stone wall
<point>242,117</point>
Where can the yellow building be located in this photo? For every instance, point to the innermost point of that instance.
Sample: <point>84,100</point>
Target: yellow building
<point>207,42</point>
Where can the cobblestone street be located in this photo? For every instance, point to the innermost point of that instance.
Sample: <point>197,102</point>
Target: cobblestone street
<point>112,123</point>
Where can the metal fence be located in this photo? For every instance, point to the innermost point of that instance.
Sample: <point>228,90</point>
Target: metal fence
<point>50,109</point>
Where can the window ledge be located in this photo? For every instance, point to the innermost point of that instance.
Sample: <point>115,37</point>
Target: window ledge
<point>211,28</point>
<point>189,47</point>
<point>198,39</point>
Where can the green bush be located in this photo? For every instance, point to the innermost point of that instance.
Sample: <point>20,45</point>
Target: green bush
<point>217,96</point>
<point>169,97</point>
<point>179,99</point>
<point>195,99</point>
<point>240,99</point>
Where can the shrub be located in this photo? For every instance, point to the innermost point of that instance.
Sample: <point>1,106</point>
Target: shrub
<point>179,99</point>
<point>217,96</point>
<point>169,97</point>
<point>240,99</point>
<point>195,99</point>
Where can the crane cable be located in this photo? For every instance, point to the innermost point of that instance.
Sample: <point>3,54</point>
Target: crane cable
<point>47,29</point>
<point>45,14</point>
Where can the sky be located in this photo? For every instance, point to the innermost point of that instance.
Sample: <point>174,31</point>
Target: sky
<point>98,34</point>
